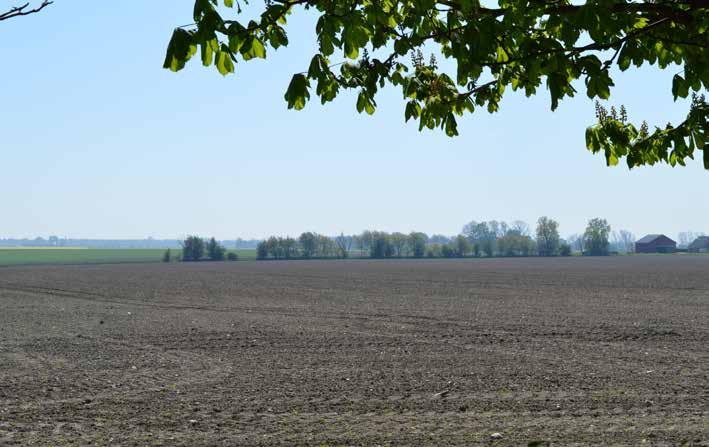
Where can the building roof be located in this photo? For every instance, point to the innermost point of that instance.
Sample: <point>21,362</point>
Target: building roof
<point>652,238</point>
<point>700,242</point>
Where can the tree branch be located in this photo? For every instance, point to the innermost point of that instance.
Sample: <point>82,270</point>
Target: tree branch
<point>23,11</point>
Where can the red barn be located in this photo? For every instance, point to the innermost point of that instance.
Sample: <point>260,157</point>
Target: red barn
<point>655,243</point>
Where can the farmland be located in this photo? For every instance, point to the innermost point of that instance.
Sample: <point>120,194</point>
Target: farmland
<point>608,351</point>
<point>45,256</point>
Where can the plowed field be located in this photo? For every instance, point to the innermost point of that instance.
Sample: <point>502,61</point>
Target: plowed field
<point>603,351</point>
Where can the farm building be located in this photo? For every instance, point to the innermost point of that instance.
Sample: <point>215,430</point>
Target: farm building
<point>700,245</point>
<point>655,243</point>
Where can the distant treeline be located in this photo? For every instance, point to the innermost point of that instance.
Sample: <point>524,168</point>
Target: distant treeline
<point>55,241</point>
<point>194,248</point>
<point>477,239</point>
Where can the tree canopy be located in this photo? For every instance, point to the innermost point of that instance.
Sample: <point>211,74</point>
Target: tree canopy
<point>514,45</point>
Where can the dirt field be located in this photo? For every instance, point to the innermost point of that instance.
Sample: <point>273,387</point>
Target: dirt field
<point>573,351</point>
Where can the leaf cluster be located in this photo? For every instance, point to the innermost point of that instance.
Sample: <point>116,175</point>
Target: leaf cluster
<point>521,45</point>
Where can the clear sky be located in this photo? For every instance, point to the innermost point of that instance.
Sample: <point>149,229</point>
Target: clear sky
<point>99,141</point>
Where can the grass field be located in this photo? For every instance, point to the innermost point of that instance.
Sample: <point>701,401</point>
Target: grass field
<point>47,256</point>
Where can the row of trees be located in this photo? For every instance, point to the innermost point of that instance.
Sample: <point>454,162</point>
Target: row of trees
<point>495,238</point>
<point>194,248</point>
<point>477,239</point>
<point>491,238</point>
<point>309,245</point>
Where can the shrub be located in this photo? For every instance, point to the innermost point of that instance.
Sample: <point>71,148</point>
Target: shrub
<point>565,250</point>
<point>231,256</point>
<point>167,256</point>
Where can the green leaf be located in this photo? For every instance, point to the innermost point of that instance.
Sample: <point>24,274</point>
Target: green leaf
<point>554,91</point>
<point>180,49</point>
<point>624,57</point>
<point>611,159</point>
<point>297,94</point>
<point>413,110</point>
<point>315,70</point>
<point>451,126</point>
<point>518,44</point>
<point>680,87</point>
<point>253,48</point>
<point>207,53</point>
<point>364,103</point>
<point>401,46</point>
<point>278,37</point>
<point>224,63</point>
<point>502,55</point>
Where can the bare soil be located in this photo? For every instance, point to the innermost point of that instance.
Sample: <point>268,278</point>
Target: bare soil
<point>576,351</point>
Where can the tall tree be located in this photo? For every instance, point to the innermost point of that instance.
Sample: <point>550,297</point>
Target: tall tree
<point>687,237</point>
<point>289,247</point>
<point>492,49</point>
<point>273,247</point>
<point>326,246</point>
<point>521,227</point>
<point>215,251</point>
<point>461,246</point>
<point>262,250</point>
<point>381,246</point>
<point>547,237</point>
<point>308,244</point>
<point>482,236</point>
<point>399,243</point>
<point>417,242</point>
<point>596,237</point>
<point>344,245</point>
<point>624,241</point>
<point>192,248</point>
<point>365,241</point>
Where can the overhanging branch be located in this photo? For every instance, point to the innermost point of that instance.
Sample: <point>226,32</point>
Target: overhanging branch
<point>23,11</point>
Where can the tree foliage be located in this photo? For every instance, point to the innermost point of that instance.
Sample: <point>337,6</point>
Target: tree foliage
<point>482,236</point>
<point>215,251</point>
<point>516,45</point>
<point>596,237</point>
<point>548,240</point>
<point>308,245</point>
<point>192,248</point>
<point>417,242</point>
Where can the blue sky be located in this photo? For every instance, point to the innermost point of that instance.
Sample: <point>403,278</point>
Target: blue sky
<point>99,141</point>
